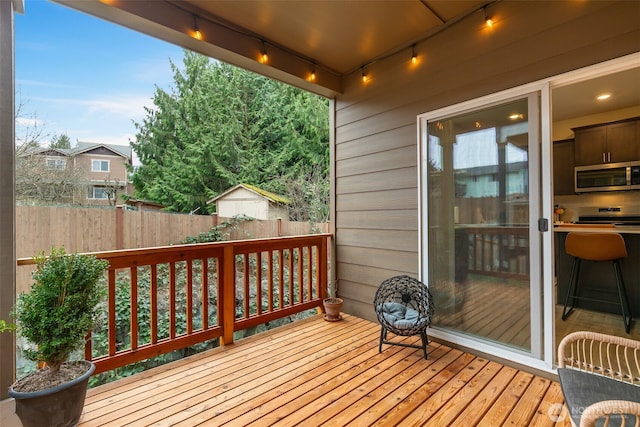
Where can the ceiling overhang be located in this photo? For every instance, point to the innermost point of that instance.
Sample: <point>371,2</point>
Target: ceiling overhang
<point>310,44</point>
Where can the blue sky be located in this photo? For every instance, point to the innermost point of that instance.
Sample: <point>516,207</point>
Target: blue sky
<point>85,77</point>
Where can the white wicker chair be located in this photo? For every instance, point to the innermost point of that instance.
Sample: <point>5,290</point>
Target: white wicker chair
<point>600,379</point>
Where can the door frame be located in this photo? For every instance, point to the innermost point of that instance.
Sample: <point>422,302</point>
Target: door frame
<point>540,206</point>
<point>547,267</point>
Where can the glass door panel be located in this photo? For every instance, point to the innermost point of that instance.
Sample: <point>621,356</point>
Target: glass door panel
<point>478,213</point>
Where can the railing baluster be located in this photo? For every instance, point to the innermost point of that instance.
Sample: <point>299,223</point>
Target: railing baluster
<point>292,274</point>
<point>310,259</point>
<point>205,294</point>
<point>134,307</point>
<point>247,295</point>
<point>259,283</point>
<point>281,277</point>
<point>270,283</point>
<point>112,312</point>
<point>153,289</point>
<point>172,299</point>
<point>189,311</point>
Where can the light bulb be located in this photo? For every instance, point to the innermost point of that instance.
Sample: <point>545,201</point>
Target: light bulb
<point>264,58</point>
<point>312,76</point>
<point>196,31</point>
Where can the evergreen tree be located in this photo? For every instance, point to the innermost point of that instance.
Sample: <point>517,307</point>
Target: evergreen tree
<point>221,126</point>
<point>61,141</point>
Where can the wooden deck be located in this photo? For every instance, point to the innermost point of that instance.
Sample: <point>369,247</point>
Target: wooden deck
<point>320,373</point>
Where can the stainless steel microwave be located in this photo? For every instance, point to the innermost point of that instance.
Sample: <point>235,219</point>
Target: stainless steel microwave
<point>607,177</point>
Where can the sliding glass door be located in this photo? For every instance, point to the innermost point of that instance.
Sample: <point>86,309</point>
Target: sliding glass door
<point>481,248</point>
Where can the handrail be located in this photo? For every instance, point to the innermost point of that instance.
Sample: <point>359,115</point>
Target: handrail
<point>219,285</point>
<point>498,251</point>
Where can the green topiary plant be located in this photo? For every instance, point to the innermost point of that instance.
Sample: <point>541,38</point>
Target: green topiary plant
<point>62,306</point>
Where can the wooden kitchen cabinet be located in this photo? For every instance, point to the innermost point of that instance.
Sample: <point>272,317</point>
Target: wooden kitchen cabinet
<point>607,143</point>
<point>563,167</point>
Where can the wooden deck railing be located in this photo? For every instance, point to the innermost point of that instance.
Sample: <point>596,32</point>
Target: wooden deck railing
<point>172,297</point>
<point>499,251</point>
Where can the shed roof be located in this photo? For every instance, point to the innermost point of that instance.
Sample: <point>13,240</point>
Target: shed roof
<point>275,198</point>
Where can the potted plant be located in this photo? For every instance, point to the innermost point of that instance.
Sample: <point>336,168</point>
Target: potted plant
<point>332,304</point>
<point>56,316</point>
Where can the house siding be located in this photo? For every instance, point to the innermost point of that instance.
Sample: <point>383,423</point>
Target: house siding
<point>376,175</point>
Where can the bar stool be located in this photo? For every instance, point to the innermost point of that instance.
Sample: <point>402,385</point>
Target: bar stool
<point>596,247</point>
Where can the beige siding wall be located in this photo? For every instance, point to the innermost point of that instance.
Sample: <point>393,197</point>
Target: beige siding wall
<point>117,169</point>
<point>376,178</point>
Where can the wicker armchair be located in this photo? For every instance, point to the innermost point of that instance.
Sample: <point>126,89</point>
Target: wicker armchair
<point>404,307</point>
<point>600,379</point>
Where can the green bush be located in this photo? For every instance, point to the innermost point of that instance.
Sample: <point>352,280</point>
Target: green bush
<point>61,307</point>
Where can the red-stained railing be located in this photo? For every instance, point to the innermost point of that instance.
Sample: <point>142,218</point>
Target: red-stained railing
<point>173,297</point>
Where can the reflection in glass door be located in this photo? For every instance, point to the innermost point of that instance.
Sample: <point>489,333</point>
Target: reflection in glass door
<point>478,199</point>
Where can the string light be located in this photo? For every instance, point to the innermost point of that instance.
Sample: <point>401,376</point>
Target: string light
<point>265,57</point>
<point>196,31</point>
<point>487,19</point>
<point>365,77</point>
<point>312,77</point>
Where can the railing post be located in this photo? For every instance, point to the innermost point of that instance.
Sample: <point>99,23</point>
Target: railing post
<point>322,268</point>
<point>228,294</point>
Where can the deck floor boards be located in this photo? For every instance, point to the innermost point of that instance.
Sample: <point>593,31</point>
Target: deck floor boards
<point>317,373</point>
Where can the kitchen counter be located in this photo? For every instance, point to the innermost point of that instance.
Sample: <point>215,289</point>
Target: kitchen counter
<point>596,228</point>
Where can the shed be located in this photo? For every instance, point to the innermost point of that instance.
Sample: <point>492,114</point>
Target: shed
<point>251,201</point>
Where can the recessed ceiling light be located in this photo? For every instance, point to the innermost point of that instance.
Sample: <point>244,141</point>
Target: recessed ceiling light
<point>516,116</point>
<point>603,96</point>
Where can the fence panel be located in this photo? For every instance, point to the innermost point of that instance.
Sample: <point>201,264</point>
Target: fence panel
<point>95,229</point>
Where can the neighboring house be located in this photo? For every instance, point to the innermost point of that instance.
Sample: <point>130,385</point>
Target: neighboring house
<point>87,174</point>
<point>251,201</point>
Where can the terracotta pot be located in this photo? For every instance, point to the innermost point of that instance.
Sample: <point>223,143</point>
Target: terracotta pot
<point>59,406</point>
<point>332,307</point>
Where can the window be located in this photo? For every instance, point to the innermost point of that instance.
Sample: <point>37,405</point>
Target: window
<point>97,193</point>
<point>56,163</point>
<point>99,165</point>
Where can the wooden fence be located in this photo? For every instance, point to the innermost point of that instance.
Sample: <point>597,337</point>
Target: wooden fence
<point>95,229</point>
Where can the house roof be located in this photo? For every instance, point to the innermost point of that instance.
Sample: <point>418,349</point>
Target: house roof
<point>84,146</point>
<point>272,197</point>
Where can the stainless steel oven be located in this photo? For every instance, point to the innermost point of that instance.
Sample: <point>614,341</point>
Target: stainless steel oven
<point>607,177</point>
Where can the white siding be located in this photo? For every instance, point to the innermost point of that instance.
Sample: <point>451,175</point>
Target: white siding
<point>243,201</point>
